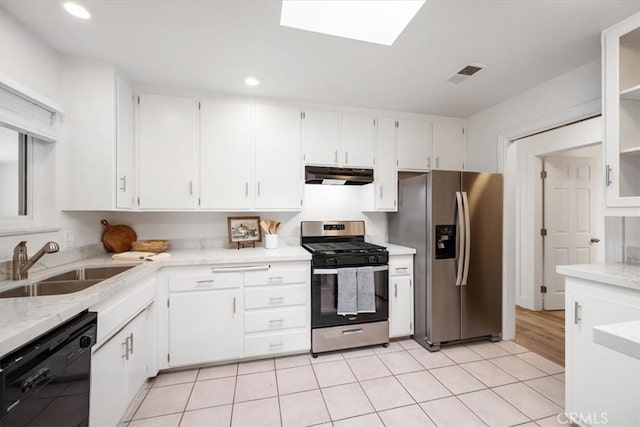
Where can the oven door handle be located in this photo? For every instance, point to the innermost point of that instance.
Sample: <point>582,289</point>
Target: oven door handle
<point>335,270</point>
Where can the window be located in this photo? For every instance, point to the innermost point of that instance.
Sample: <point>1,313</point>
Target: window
<point>14,174</point>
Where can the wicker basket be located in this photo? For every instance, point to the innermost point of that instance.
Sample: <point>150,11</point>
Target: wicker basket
<point>156,246</point>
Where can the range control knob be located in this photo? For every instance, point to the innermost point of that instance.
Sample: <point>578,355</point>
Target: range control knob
<point>85,341</point>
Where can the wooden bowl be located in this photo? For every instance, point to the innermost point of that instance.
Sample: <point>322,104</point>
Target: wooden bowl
<point>156,246</point>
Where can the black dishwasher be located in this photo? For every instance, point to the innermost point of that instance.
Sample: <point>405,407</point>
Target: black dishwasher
<point>46,382</point>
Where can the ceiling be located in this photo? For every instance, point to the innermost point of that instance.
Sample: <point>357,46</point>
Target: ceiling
<point>212,44</point>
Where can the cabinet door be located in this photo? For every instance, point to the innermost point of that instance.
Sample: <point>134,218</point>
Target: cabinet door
<point>109,396</point>
<point>226,155</point>
<point>401,306</point>
<point>448,146</point>
<point>321,138</point>
<point>358,140</point>
<point>125,148</point>
<point>593,370</point>
<point>414,145</point>
<point>386,175</point>
<point>205,327</point>
<point>278,159</point>
<point>141,333</point>
<point>168,150</point>
<point>621,92</point>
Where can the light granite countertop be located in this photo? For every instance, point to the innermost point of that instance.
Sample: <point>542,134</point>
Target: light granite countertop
<point>617,274</point>
<point>23,319</point>
<point>398,250</point>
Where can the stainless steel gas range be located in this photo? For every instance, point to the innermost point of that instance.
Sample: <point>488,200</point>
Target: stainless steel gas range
<point>349,286</point>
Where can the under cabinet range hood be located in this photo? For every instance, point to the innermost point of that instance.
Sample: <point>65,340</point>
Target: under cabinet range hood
<point>337,176</point>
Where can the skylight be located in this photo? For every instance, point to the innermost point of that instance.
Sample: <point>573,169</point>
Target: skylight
<point>375,21</point>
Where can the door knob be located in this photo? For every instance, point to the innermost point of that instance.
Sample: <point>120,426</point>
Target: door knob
<point>594,240</point>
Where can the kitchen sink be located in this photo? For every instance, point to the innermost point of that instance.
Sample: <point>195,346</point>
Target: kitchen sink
<point>88,273</point>
<point>65,283</point>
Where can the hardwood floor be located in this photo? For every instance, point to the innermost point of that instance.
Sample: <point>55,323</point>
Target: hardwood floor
<point>541,332</point>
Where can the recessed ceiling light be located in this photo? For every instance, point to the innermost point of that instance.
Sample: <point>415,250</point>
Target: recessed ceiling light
<point>375,21</point>
<point>76,10</point>
<point>251,81</point>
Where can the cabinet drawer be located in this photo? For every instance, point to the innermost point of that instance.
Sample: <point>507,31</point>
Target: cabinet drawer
<point>285,342</point>
<point>269,320</point>
<point>277,275</point>
<point>275,296</point>
<point>400,269</point>
<point>205,281</point>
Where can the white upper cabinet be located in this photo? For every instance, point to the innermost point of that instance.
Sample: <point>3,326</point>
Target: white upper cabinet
<point>448,146</point>
<point>358,140</point>
<point>321,136</point>
<point>414,145</point>
<point>332,138</point>
<point>226,155</point>
<point>621,113</point>
<point>278,168</point>
<point>382,194</point>
<point>100,137</point>
<point>125,145</point>
<point>168,138</point>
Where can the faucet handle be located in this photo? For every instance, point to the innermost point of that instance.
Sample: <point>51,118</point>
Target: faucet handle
<point>20,250</point>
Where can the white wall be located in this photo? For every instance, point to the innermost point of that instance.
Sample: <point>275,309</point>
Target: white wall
<point>564,92</point>
<point>27,60</point>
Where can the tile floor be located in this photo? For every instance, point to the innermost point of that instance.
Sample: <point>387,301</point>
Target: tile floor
<point>494,384</point>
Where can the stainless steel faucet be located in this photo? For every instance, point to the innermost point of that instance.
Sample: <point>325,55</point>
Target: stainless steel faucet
<point>21,261</point>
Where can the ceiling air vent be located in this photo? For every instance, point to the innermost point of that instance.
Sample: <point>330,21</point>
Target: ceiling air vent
<point>465,73</point>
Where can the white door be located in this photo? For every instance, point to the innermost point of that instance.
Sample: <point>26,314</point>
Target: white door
<point>401,307</point>
<point>385,173</point>
<point>205,327</point>
<point>414,145</point>
<point>141,346</point>
<point>358,140</point>
<point>168,152</point>
<point>226,155</point>
<point>569,205</point>
<point>321,137</point>
<point>448,146</point>
<point>278,158</point>
<point>125,147</point>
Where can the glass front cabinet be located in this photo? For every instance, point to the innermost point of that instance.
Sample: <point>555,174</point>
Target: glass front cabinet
<point>621,113</point>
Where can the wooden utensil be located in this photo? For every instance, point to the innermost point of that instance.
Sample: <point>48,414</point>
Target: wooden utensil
<point>264,226</point>
<point>117,238</point>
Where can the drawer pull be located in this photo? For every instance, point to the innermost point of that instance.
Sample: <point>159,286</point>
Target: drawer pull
<point>399,269</point>
<point>276,278</point>
<point>240,268</point>
<point>353,331</point>
<point>204,283</point>
<point>276,300</point>
<point>280,321</point>
<point>277,344</point>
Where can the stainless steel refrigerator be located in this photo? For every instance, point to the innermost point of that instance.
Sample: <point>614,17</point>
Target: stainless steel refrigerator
<point>454,221</point>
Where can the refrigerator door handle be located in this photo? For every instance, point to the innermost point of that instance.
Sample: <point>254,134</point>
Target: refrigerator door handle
<point>467,237</point>
<point>461,238</point>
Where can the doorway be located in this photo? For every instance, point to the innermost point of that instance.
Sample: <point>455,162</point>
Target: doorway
<point>560,211</point>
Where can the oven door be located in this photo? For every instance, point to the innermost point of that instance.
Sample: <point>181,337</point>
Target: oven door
<point>324,298</point>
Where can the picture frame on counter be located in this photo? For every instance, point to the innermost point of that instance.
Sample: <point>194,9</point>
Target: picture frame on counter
<point>244,230</point>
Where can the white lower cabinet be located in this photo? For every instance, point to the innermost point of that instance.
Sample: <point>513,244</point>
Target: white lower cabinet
<point>217,314</point>
<point>400,296</point>
<point>602,384</point>
<point>119,368</point>
<point>205,326</point>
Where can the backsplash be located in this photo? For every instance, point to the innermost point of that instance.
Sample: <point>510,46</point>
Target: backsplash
<point>622,237</point>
